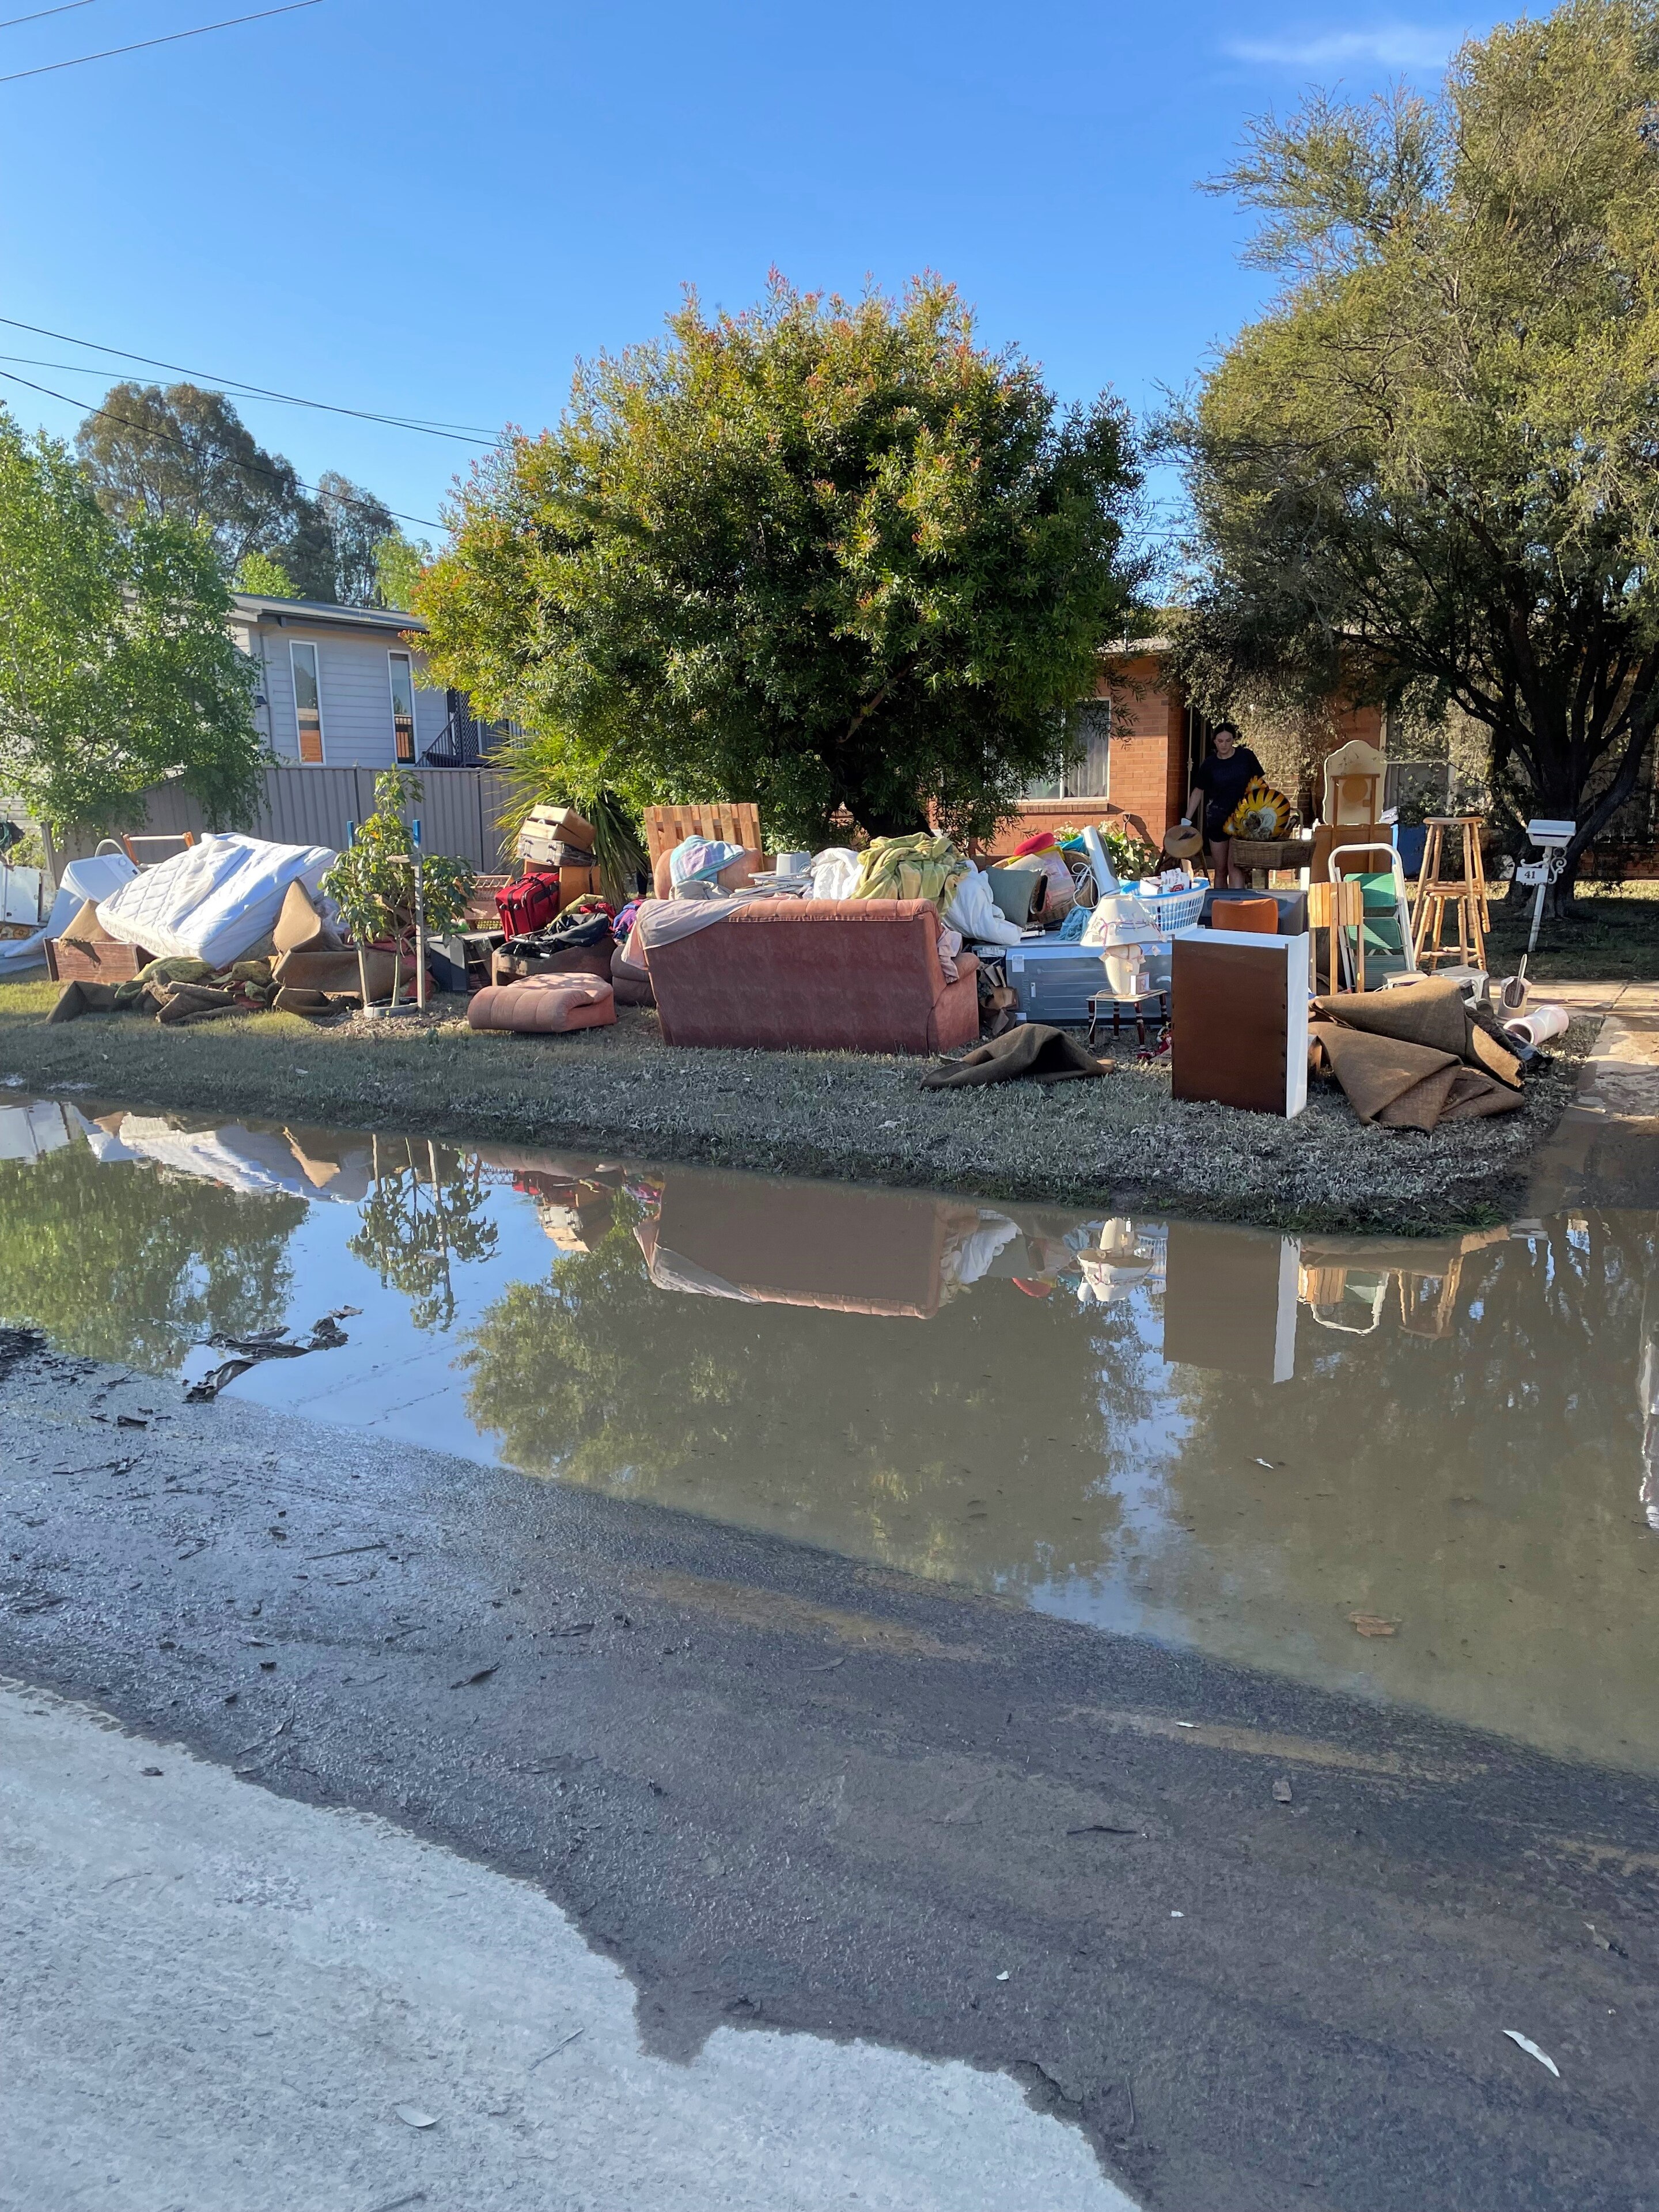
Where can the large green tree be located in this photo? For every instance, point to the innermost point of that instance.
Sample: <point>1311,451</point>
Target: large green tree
<point>1430,473</point>
<point>180,453</point>
<point>818,555</point>
<point>183,454</point>
<point>116,671</point>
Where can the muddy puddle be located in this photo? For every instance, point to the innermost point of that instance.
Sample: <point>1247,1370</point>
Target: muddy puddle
<point>1423,1471</point>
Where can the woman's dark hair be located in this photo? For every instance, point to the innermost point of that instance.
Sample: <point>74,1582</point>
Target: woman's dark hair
<point>1226,730</point>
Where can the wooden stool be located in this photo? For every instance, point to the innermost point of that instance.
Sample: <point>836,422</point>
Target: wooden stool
<point>1436,891</point>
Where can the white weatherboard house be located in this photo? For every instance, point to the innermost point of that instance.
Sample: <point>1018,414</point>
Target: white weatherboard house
<point>344,687</point>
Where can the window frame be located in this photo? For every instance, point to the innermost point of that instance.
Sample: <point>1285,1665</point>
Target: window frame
<point>394,655</point>
<point>297,645</point>
<point>1063,790</point>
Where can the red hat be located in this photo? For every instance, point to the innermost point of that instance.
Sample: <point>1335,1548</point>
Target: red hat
<point>1042,841</point>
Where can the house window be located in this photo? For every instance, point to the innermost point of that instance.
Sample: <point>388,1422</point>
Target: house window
<point>403,705</point>
<point>1087,772</point>
<point>308,701</point>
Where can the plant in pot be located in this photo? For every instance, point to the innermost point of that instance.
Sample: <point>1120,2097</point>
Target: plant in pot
<point>388,890</point>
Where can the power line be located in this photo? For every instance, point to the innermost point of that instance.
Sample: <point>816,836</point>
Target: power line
<point>171,39</point>
<point>67,8</point>
<point>160,438</point>
<point>462,432</point>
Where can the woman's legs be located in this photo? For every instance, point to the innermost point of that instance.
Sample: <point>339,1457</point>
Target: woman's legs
<point>1227,878</point>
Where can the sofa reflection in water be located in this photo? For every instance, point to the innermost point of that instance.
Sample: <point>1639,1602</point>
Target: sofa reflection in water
<point>819,1244</point>
<point>1229,1298</point>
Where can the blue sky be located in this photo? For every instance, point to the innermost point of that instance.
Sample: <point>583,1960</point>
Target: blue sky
<point>433,210</point>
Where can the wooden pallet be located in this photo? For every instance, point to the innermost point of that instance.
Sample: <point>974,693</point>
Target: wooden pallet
<point>734,822</point>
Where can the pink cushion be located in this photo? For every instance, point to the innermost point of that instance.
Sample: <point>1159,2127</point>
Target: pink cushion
<point>544,1005</point>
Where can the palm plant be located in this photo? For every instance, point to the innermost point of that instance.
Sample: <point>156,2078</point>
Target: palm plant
<point>540,771</point>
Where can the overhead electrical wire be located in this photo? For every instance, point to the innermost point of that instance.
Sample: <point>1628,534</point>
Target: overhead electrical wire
<point>160,438</point>
<point>65,7</point>
<point>172,39</point>
<point>462,432</point>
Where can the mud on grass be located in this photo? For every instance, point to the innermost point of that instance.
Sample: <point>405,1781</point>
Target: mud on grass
<point>1121,1142</point>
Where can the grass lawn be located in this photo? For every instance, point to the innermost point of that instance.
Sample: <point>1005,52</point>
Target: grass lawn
<point>1613,938</point>
<point>1119,1144</point>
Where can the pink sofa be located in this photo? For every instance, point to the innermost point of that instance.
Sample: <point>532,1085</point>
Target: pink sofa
<point>818,975</point>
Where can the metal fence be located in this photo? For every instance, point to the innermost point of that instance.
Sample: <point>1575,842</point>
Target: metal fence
<point>312,806</point>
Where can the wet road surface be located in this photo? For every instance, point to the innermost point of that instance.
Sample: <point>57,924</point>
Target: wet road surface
<point>782,1789</point>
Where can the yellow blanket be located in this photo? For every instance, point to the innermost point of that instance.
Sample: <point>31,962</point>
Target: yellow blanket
<point>918,866</point>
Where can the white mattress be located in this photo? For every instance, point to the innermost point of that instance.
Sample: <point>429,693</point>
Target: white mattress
<point>214,902</point>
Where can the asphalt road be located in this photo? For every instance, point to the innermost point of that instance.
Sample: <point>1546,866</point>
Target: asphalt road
<point>797,1801</point>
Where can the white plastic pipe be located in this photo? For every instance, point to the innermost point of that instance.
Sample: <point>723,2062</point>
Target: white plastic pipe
<point>1540,1025</point>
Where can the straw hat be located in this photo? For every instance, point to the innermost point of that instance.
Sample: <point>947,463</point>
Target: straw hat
<point>1183,841</point>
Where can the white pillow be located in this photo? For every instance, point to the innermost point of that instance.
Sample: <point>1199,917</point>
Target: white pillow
<point>977,915</point>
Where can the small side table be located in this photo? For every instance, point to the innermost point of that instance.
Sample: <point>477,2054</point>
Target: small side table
<point>1127,1009</point>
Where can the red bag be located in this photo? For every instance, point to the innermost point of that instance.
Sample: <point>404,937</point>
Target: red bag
<point>529,904</point>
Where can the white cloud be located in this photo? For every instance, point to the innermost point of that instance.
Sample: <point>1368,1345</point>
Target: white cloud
<point>1390,46</point>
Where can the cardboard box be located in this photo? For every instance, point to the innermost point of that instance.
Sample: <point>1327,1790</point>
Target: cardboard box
<point>576,882</point>
<point>546,829</point>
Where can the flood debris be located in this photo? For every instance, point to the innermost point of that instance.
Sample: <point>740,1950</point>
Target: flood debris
<point>563,2044</point>
<point>1606,1943</point>
<point>1526,2044</point>
<point>326,1335</point>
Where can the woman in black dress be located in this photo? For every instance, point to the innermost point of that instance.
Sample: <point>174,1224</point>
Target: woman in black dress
<point>1220,781</point>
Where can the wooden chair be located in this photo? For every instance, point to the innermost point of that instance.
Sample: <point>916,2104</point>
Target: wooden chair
<point>734,822</point>
<point>1355,776</point>
<point>126,842</point>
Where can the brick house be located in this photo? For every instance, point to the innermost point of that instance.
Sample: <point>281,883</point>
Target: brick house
<point>1141,741</point>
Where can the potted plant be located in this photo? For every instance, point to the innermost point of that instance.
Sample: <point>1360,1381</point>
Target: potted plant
<point>388,890</point>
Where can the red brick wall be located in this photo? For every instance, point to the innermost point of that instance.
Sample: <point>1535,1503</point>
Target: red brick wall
<point>1149,753</point>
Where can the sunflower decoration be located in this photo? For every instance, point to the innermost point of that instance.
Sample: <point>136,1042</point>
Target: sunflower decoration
<point>1261,813</point>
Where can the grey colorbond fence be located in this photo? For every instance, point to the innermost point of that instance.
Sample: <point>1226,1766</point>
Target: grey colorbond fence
<point>312,806</point>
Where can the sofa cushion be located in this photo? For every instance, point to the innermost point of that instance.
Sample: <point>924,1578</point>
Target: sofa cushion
<point>544,1005</point>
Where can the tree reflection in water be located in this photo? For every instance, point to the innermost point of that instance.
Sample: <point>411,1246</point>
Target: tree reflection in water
<point>987,1441</point>
<point>425,1211</point>
<point>133,1264</point>
<point>1472,1472</point>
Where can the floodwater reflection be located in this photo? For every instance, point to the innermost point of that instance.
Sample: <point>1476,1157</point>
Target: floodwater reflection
<point>1219,1437</point>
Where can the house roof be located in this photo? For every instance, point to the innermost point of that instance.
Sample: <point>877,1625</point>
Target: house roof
<point>323,612</point>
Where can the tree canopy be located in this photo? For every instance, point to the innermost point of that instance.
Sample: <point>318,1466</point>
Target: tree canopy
<point>183,454</point>
<point>117,670</point>
<point>815,554</point>
<point>1427,474</point>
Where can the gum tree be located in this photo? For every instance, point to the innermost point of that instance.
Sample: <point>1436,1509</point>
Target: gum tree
<point>818,554</point>
<point>1430,473</point>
